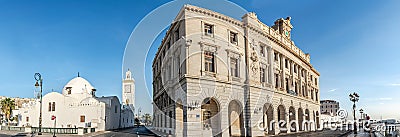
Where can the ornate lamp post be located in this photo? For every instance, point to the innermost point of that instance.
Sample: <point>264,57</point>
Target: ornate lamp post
<point>39,83</point>
<point>361,117</point>
<point>354,98</point>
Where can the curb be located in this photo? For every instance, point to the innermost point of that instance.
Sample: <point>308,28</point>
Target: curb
<point>158,133</point>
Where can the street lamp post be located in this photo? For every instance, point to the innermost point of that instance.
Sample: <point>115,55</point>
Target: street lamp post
<point>362,117</point>
<point>354,97</point>
<point>39,83</point>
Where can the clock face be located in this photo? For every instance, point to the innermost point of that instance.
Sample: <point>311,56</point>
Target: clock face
<point>286,33</point>
<point>127,88</point>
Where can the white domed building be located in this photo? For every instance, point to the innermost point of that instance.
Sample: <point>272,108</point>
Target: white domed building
<point>77,106</point>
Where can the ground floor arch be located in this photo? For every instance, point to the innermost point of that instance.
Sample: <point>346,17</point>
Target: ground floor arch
<point>292,119</point>
<point>317,120</point>
<point>307,122</point>
<point>300,118</point>
<point>235,119</point>
<point>179,114</point>
<point>211,121</point>
<point>282,122</point>
<point>268,117</point>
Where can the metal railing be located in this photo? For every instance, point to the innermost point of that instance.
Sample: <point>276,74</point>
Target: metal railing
<point>49,130</point>
<point>57,130</point>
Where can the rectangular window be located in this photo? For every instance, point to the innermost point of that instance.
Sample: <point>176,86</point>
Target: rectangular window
<point>176,34</point>
<point>295,68</point>
<point>68,90</point>
<point>170,119</point>
<point>27,119</point>
<point>233,37</point>
<point>276,80</point>
<point>209,61</point>
<point>286,63</point>
<point>276,56</point>
<point>262,75</point>
<point>234,67</point>
<point>165,120</point>
<point>208,29</point>
<point>116,109</point>
<point>82,118</point>
<point>49,106</point>
<point>53,107</point>
<point>316,83</point>
<point>312,94</point>
<point>262,51</point>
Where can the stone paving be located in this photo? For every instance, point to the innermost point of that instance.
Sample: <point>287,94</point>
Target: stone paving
<point>324,133</point>
<point>4,133</point>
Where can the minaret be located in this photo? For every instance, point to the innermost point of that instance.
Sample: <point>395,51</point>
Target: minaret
<point>128,90</point>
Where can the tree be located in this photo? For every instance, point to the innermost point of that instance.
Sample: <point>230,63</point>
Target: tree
<point>146,119</point>
<point>7,105</point>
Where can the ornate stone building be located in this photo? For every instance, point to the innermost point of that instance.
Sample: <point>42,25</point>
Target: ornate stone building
<point>214,75</point>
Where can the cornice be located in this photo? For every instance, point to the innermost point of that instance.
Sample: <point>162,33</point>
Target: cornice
<point>214,14</point>
<point>281,44</point>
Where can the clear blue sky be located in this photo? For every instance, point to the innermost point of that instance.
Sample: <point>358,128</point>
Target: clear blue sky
<point>353,44</point>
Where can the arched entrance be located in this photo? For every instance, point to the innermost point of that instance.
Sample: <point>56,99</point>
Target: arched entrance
<point>300,116</point>
<point>235,115</point>
<point>210,117</point>
<point>179,116</point>
<point>282,119</point>
<point>268,117</point>
<point>317,121</point>
<point>314,119</point>
<point>292,119</point>
<point>307,123</point>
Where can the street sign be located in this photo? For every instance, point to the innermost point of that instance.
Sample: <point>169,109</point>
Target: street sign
<point>53,117</point>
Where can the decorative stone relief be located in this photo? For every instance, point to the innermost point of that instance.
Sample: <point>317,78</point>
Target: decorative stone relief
<point>254,65</point>
<point>208,47</point>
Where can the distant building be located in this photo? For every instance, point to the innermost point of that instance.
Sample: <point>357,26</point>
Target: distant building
<point>19,102</point>
<point>329,107</point>
<point>78,106</point>
<point>128,90</point>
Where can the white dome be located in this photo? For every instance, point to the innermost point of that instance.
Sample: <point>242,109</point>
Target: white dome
<point>78,85</point>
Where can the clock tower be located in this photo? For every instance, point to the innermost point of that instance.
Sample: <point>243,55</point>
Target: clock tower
<point>283,26</point>
<point>128,90</point>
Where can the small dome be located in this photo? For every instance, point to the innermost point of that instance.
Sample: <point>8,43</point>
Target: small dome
<point>78,85</point>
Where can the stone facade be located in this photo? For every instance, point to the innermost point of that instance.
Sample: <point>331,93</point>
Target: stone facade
<point>329,107</point>
<point>217,76</point>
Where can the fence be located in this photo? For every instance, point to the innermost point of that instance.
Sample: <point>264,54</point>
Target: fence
<point>57,130</point>
<point>49,130</point>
